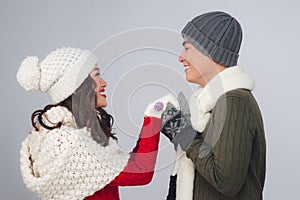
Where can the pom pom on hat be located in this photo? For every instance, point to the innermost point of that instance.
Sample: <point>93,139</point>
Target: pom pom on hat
<point>59,74</point>
<point>29,73</point>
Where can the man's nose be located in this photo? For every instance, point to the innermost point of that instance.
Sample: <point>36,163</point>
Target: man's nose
<point>181,58</point>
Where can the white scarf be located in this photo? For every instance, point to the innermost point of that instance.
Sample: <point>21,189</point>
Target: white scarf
<point>201,103</point>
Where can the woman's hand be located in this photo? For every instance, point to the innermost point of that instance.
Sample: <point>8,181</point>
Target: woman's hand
<point>156,108</point>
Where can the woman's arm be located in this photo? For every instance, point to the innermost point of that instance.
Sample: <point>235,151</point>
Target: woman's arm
<point>140,167</point>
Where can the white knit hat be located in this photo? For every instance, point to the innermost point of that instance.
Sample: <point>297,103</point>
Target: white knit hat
<point>59,74</point>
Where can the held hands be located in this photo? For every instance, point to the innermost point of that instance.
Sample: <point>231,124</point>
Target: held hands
<point>156,108</point>
<point>176,124</point>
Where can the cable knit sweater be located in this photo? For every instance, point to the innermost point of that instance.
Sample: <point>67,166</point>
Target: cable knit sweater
<point>231,166</point>
<point>66,163</point>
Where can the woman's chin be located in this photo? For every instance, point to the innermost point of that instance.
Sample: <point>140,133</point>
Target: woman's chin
<point>101,105</point>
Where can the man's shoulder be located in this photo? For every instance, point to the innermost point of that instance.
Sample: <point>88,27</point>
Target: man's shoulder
<point>241,93</point>
<point>239,96</point>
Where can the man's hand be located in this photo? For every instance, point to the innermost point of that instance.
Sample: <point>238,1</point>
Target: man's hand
<point>176,124</point>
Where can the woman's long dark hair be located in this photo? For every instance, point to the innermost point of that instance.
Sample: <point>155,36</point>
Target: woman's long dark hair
<point>82,105</point>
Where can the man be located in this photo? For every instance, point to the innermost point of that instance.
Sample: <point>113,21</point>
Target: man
<point>221,149</point>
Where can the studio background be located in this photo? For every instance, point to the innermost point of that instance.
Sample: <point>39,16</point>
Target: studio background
<point>269,53</point>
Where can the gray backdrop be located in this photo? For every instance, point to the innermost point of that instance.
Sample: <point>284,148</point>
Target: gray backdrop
<point>138,76</point>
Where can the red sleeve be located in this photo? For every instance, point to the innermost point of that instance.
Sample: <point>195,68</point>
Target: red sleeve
<point>140,167</point>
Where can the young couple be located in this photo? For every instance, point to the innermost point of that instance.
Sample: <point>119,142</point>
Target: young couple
<point>72,153</point>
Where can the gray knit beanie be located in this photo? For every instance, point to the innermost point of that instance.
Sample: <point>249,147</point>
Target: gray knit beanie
<point>217,35</point>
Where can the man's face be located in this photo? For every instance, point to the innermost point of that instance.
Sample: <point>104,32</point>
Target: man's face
<point>199,68</point>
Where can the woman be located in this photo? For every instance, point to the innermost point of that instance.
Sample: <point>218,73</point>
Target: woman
<point>72,153</point>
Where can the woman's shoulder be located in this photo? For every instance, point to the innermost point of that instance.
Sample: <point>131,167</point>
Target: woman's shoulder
<point>58,114</point>
<point>59,141</point>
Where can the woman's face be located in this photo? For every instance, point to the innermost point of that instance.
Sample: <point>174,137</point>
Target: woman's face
<point>100,87</point>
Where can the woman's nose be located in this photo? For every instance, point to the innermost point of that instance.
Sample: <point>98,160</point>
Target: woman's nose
<point>102,82</point>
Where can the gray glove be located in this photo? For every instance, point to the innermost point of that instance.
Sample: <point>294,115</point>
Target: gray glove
<point>176,124</point>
